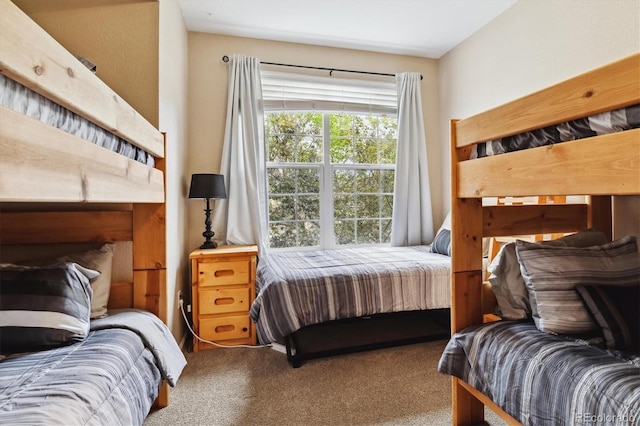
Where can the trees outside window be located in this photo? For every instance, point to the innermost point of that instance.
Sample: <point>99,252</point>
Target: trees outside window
<point>329,178</point>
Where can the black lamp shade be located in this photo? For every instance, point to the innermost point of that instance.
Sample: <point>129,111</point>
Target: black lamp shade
<point>207,185</point>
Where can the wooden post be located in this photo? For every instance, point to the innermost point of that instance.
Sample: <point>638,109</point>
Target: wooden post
<point>466,279</point>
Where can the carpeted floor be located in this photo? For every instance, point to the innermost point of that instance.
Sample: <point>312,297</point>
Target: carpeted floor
<point>241,386</point>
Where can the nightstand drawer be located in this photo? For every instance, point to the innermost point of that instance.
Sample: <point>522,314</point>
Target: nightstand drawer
<point>227,328</point>
<point>223,273</point>
<point>218,301</point>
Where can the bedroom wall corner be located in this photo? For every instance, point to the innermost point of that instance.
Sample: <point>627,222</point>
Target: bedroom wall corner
<point>173,120</point>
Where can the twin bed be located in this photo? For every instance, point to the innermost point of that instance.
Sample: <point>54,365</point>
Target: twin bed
<point>334,301</point>
<point>568,351</point>
<point>77,348</point>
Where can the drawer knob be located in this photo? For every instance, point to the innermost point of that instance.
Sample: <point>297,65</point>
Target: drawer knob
<point>244,329</point>
<point>224,273</point>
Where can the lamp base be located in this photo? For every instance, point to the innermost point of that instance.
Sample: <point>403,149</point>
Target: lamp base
<point>209,245</point>
<point>208,233</point>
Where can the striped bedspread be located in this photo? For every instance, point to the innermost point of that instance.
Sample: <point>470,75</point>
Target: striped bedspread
<point>600,124</point>
<point>110,378</point>
<point>542,379</point>
<point>297,289</point>
<point>17,97</point>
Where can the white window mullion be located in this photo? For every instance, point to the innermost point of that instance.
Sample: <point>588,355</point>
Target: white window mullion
<point>327,237</point>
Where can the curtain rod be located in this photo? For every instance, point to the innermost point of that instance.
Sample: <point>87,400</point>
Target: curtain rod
<point>225,58</point>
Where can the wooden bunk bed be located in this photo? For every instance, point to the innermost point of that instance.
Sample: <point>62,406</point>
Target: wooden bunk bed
<point>56,187</point>
<point>596,167</point>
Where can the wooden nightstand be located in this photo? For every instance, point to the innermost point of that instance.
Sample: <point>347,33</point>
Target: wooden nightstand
<point>222,291</point>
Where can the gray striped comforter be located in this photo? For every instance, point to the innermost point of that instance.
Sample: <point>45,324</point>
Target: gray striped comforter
<point>110,378</point>
<point>17,97</point>
<point>542,379</point>
<point>296,289</point>
<point>598,124</point>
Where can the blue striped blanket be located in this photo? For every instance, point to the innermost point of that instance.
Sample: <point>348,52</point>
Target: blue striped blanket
<point>544,379</point>
<point>301,288</point>
<point>112,377</point>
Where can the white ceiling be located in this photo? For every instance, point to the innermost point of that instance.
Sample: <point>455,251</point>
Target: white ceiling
<point>426,28</point>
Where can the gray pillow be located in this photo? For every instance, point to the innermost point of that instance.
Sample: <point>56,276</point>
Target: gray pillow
<point>43,307</point>
<point>442,242</point>
<point>507,282</point>
<point>552,274</point>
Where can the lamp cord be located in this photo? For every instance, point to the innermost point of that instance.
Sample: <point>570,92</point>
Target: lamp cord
<point>214,343</point>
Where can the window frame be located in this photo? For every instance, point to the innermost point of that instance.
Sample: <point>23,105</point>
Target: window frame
<point>326,169</point>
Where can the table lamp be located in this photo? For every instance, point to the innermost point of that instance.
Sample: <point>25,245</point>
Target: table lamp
<point>207,186</point>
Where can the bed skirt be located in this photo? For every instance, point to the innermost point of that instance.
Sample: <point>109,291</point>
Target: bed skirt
<point>366,333</point>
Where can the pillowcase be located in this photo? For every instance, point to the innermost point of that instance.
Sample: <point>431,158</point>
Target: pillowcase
<point>552,274</point>
<point>507,282</point>
<point>442,242</point>
<point>616,309</point>
<point>43,307</point>
<point>100,260</point>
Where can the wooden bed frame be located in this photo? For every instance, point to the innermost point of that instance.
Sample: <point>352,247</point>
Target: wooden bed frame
<point>579,167</point>
<point>40,164</point>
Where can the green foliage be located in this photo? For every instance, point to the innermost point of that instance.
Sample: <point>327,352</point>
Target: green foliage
<point>362,154</point>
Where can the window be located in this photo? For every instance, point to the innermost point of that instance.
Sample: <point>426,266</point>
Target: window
<point>329,174</point>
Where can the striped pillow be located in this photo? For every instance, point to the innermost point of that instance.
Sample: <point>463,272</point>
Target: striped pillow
<point>616,310</point>
<point>506,279</point>
<point>42,307</point>
<point>442,242</point>
<point>552,274</point>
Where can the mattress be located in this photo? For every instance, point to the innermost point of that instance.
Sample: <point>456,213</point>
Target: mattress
<point>112,377</point>
<point>595,125</point>
<point>544,379</point>
<point>19,98</point>
<point>301,288</point>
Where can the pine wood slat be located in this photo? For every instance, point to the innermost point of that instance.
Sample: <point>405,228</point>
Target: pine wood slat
<point>592,166</point>
<point>600,215</point>
<point>488,402</point>
<point>33,58</point>
<point>63,168</point>
<point>65,227</point>
<point>149,291</point>
<point>150,240</point>
<point>121,295</point>
<point>533,219</point>
<point>612,86</point>
<point>467,410</point>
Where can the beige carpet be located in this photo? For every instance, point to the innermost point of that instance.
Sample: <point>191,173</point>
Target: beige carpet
<point>393,386</point>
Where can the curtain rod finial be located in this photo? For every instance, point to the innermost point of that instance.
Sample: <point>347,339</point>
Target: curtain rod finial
<point>225,58</point>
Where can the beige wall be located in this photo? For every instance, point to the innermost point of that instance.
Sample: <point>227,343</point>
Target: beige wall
<point>173,121</point>
<point>208,98</point>
<point>532,45</point>
<point>120,38</point>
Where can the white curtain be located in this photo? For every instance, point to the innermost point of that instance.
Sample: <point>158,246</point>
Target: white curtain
<point>242,218</point>
<point>412,216</point>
